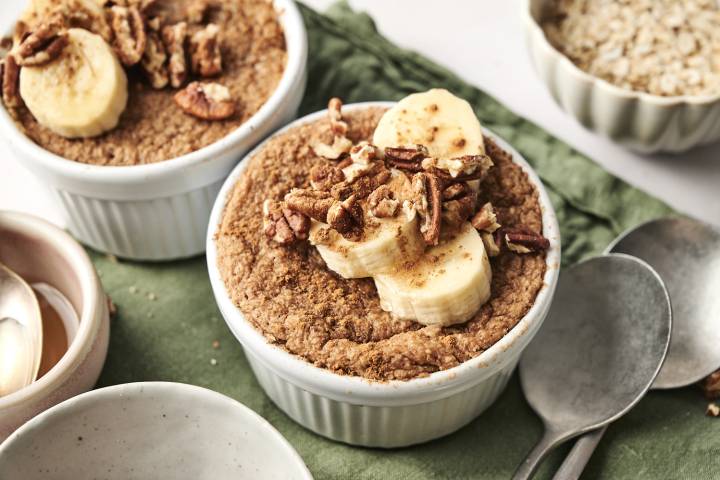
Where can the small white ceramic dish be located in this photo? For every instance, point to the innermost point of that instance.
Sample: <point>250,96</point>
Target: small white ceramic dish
<point>40,252</point>
<point>641,121</point>
<point>150,430</point>
<point>160,211</point>
<point>384,414</point>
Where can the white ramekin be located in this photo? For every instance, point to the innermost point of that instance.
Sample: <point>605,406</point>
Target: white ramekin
<point>641,121</point>
<point>160,211</point>
<point>384,414</point>
<point>41,252</point>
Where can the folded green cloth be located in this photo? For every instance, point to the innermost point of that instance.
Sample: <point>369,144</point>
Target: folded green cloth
<point>168,327</point>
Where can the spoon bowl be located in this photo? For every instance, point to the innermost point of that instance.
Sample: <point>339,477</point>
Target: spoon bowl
<point>599,351</point>
<point>20,333</point>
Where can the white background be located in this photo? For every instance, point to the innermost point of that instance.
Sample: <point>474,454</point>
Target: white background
<point>482,41</point>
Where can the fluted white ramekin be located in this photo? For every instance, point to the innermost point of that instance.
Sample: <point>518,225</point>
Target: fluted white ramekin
<point>41,252</point>
<point>160,211</point>
<point>641,121</point>
<point>384,414</point>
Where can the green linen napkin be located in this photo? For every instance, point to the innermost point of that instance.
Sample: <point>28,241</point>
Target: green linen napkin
<point>168,327</point>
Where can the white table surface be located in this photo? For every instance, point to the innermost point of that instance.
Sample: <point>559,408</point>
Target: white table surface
<point>482,41</point>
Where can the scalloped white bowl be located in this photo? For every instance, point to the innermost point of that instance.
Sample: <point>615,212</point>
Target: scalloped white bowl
<point>384,414</point>
<point>160,211</point>
<point>641,121</point>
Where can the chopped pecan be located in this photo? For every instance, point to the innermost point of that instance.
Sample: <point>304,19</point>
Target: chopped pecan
<point>346,217</point>
<point>324,177</point>
<point>154,60</point>
<point>174,38</point>
<point>337,125</point>
<point>363,153</point>
<point>208,101</point>
<point>341,144</point>
<point>406,158</point>
<point>382,202</point>
<point>492,247</point>
<point>206,59</point>
<point>711,386</point>
<point>461,169</point>
<point>10,82</point>
<point>129,36</point>
<point>713,410</point>
<point>428,203</point>
<point>523,240</point>
<point>485,219</point>
<point>461,204</point>
<point>362,185</point>
<point>313,203</point>
<point>283,225</point>
<point>41,46</point>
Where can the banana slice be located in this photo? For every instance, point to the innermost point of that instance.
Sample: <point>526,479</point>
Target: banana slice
<point>82,93</point>
<point>437,119</point>
<point>387,241</point>
<point>447,285</point>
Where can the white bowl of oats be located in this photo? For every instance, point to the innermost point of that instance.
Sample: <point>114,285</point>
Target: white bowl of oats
<point>643,73</point>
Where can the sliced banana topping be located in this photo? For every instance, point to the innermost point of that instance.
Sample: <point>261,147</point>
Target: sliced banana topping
<point>82,92</point>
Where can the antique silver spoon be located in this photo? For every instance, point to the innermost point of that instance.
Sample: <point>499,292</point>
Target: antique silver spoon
<point>20,333</point>
<point>686,254</point>
<point>599,351</point>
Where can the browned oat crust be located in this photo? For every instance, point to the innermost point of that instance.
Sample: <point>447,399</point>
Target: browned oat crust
<point>299,304</point>
<point>153,128</point>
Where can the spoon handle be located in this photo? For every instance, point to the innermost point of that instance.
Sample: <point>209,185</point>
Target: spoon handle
<point>574,464</point>
<point>527,469</point>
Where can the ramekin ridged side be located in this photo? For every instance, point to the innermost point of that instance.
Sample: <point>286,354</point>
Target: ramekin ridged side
<point>160,211</point>
<point>384,414</point>
<point>641,121</point>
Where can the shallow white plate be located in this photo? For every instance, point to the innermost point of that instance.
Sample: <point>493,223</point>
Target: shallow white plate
<point>150,430</point>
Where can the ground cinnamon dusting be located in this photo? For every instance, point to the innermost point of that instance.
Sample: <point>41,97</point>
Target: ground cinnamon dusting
<point>299,304</point>
<point>153,128</point>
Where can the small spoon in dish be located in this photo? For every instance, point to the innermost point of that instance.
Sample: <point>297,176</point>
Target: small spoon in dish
<point>600,349</point>
<point>20,333</point>
<point>686,254</point>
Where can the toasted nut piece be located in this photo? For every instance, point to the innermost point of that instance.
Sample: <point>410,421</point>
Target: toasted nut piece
<point>41,46</point>
<point>491,246</point>
<point>130,37</point>
<point>323,177</point>
<point>10,82</point>
<point>428,203</point>
<point>154,61</point>
<point>208,101</point>
<point>283,225</point>
<point>313,203</point>
<point>712,410</point>
<point>337,125</point>
<point>347,218</point>
<point>382,202</point>
<point>711,386</point>
<point>339,148</point>
<point>205,52</point>
<point>461,169</point>
<point>406,158</point>
<point>485,219</point>
<point>523,240</point>
<point>174,38</point>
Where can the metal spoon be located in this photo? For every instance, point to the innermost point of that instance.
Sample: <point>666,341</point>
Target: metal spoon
<point>686,254</point>
<point>20,333</point>
<point>599,351</point>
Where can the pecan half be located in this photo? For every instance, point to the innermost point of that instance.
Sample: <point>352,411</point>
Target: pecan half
<point>406,158</point>
<point>485,219</point>
<point>382,202</point>
<point>129,36</point>
<point>208,101</point>
<point>10,76</point>
<point>41,46</point>
<point>711,386</point>
<point>523,240</point>
<point>206,59</point>
<point>459,205</point>
<point>428,203</point>
<point>324,177</point>
<point>174,38</point>
<point>346,217</point>
<point>155,57</point>
<point>312,203</point>
<point>283,225</point>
